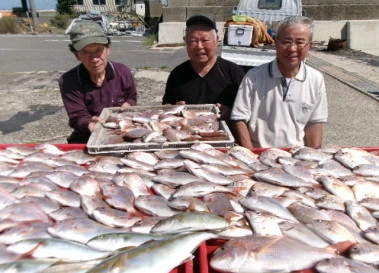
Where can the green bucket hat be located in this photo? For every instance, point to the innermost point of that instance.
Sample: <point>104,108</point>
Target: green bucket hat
<point>86,32</point>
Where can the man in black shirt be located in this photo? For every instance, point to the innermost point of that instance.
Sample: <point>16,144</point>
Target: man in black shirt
<point>204,78</point>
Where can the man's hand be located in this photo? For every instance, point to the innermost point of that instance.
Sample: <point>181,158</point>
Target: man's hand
<point>225,111</point>
<point>124,106</point>
<point>93,121</point>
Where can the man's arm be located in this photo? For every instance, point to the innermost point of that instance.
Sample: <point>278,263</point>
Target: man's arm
<point>314,134</point>
<point>242,134</point>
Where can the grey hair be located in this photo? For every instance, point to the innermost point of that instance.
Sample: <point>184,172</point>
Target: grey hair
<point>293,21</point>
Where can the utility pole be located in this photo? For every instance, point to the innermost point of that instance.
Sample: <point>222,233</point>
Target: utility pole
<point>34,15</point>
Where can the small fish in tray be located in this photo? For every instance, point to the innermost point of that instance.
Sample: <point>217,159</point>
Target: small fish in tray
<point>170,124</point>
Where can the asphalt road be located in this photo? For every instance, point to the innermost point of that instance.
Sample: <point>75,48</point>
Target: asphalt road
<point>32,110</point>
<point>24,53</point>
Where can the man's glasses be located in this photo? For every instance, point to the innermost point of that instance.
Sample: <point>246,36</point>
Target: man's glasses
<point>289,43</point>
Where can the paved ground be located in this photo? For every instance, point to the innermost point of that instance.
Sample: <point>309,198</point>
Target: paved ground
<point>32,110</point>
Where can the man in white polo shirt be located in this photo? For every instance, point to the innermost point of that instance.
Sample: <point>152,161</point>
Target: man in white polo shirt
<point>283,103</point>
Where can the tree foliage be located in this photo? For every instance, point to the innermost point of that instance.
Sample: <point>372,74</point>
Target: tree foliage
<point>65,7</point>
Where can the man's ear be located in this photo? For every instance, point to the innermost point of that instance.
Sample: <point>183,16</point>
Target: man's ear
<point>76,55</point>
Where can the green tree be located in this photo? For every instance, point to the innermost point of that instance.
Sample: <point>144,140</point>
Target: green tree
<point>65,12</point>
<point>65,7</point>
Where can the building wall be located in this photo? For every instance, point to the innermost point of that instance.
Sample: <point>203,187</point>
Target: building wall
<point>89,6</point>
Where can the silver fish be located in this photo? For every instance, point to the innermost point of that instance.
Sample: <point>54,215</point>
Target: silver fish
<point>113,217</point>
<point>85,185</point>
<point>366,189</point>
<point>300,172</point>
<point>372,234</point>
<point>190,221</point>
<point>267,204</point>
<point>133,163</point>
<point>163,190</point>
<point>307,153</point>
<point>370,203</point>
<point>168,163</point>
<point>263,224</point>
<point>353,157</point>
<point>79,229</point>
<point>331,231</point>
<point>301,197</point>
<point>46,204</point>
<point>189,203</point>
<point>27,265</point>
<point>361,216</point>
<point>90,202</point>
<point>367,170</point>
<point>300,232</point>
<point>24,231</point>
<point>343,265</point>
<point>62,178</point>
<point>154,205</point>
<point>79,157</point>
<point>64,197</point>
<point>226,170</point>
<point>365,252</point>
<point>133,181</point>
<point>175,179</point>
<point>331,167</point>
<point>337,187</point>
<point>56,248</point>
<point>146,224</point>
<point>266,254</point>
<point>118,197</point>
<point>199,189</point>
<point>159,256</point>
<point>243,154</point>
<point>26,211</point>
<point>75,169</point>
<point>306,214</point>
<point>106,164</point>
<point>205,174</point>
<point>242,187</point>
<point>64,213</point>
<point>330,201</point>
<point>115,241</point>
<point>267,189</point>
<point>280,178</point>
<point>143,156</point>
<point>201,157</point>
<point>219,203</point>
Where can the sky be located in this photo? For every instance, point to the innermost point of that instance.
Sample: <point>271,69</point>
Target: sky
<point>39,4</point>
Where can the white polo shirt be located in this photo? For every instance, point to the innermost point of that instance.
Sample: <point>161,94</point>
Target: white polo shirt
<point>272,121</point>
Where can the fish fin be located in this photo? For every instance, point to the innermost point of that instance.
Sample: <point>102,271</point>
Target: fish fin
<point>191,205</point>
<point>123,249</point>
<point>340,247</point>
<point>30,253</point>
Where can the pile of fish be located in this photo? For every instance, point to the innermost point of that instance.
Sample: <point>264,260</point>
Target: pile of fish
<point>276,210</point>
<point>166,124</point>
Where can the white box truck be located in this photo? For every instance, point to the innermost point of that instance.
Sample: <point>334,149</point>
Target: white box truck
<point>268,11</point>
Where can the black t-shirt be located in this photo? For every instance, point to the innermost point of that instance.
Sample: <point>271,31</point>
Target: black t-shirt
<point>219,85</point>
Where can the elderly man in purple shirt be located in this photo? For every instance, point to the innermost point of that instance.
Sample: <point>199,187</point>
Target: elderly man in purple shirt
<point>96,83</point>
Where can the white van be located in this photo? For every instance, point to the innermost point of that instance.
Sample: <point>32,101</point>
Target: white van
<point>270,12</point>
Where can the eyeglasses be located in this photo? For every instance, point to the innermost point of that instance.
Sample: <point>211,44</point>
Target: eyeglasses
<point>289,43</point>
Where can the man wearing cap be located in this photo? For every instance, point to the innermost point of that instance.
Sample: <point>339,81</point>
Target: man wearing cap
<point>205,78</point>
<point>96,83</point>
